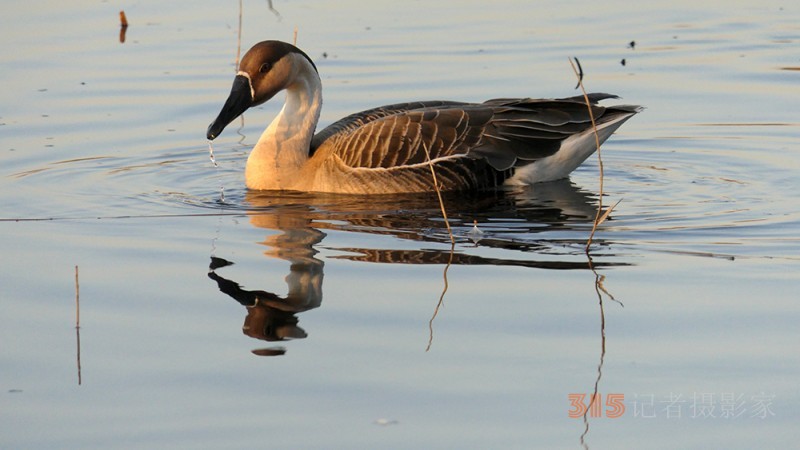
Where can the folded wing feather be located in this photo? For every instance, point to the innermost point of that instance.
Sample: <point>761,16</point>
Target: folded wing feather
<point>506,133</point>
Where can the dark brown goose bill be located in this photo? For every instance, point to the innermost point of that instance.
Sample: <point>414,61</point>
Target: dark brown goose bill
<point>238,101</point>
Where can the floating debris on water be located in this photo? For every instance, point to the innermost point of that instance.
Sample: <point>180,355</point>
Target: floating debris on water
<point>475,234</point>
<point>385,422</point>
<point>123,26</point>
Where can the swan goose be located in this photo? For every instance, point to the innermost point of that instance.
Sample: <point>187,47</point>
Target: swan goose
<point>512,141</point>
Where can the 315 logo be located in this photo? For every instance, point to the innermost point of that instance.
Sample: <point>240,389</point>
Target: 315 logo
<point>614,406</point>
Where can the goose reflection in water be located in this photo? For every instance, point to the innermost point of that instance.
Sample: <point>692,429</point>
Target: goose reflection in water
<point>511,220</point>
<point>271,317</point>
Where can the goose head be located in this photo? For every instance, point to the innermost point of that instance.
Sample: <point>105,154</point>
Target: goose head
<point>266,69</point>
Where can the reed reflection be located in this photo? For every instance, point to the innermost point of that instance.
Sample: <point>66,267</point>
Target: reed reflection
<point>514,221</point>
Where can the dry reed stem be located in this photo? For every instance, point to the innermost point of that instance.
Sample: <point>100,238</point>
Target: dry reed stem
<point>78,322</point>
<point>239,40</point>
<point>452,244</point>
<point>77,300</point>
<point>439,194</point>
<point>607,213</point>
<point>599,216</point>
<point>236,66</point>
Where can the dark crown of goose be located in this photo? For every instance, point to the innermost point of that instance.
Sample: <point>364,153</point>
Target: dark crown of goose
<point>256,82</point>
<point>262,56</point>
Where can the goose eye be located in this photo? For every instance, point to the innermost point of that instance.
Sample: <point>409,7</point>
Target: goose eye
<point>265,68</point>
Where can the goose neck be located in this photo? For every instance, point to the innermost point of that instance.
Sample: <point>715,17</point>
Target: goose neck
<point>284,146</point>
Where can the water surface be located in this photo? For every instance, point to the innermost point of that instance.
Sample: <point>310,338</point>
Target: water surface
<point>378,333</point>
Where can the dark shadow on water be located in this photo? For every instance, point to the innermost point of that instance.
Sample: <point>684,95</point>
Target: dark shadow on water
<point>541,227</point>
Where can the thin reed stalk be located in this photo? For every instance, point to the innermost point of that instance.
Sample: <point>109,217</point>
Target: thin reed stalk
<point>239,39</point>
<point>600,217</point>
<point>78,323</point>
<point>439,194</point>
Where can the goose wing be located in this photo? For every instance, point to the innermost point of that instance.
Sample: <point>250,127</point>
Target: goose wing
<point>504,132</point>
<point>357,120</point>
<point>401,139</point>
<point>524,130</point>
<point>472,139</point>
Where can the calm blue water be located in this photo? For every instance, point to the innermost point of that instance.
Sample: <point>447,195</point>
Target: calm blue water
<point>391,338</point>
